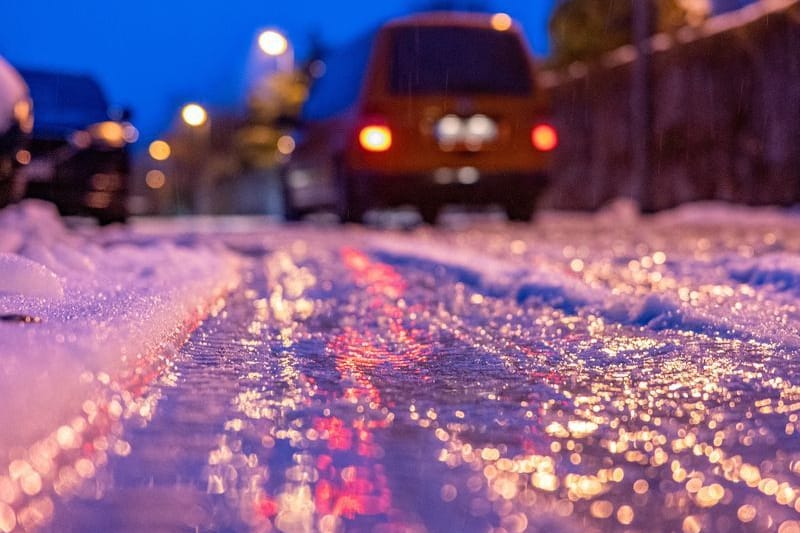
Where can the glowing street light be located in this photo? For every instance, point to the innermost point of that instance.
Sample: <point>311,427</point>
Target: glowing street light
<point>286,144</point>
<point>273,43</point>
<point>194,115</point>
<point>159,150</point>
<point>501,21</point>
<point>155,179</point>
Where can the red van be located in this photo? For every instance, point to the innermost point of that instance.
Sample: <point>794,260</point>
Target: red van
<point>447,112</point>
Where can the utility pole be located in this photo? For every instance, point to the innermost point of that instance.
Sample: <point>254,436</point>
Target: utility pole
<point>642,185</point>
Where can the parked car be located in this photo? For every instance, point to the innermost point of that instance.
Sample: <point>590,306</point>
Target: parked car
<point>447,111</point>
<point>79,153</point>
<point>16,122</point>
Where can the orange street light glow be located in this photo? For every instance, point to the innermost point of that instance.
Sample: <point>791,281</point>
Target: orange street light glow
<point>159,150</point>
<point>109,132</point>
<point>272,43</point>
<point>286,144</point>
<point>155,179</point>
<point>23,157</point>
<point>501,22</point>
<point>194,115</point>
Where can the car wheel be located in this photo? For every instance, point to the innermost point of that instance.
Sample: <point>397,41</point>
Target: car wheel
<point>5,192</point>
<point>351,206</point>
<point>106,219</point>
<point>351,213</point>
<point>429,213</point>
<point>290,212</point>
<point>6,180</point>
<point>519,210</point>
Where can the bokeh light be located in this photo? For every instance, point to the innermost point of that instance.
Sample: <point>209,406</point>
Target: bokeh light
<point>375,138</point>
<point>194,115</point>
<point>272,43</point>
<point>544,137</point>
<point>501,22</point>
<point>159,150</point>
<point>286,144</point>
<point>23,157</point>
<point>155,179</point>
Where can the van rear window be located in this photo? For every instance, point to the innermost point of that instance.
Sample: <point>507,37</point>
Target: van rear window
<point>447,59</point>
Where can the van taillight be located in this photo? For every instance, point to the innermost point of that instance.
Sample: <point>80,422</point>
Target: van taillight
<point>375,138</point>
<point>544,137</point>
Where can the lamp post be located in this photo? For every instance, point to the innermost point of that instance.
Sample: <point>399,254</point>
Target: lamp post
<point>642,189</point>
<point>191,187</point>
<point>274,44</point>
<point>271,78</point>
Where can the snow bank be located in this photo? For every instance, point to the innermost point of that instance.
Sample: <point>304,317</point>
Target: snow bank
<point>22,276</point>
<point>76,315</point>
<point>544,277</point>
<point>545,282</point>
<point>716,213</point>
<point>781,271</point>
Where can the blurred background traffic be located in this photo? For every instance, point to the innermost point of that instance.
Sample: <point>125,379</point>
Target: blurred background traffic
<point>309,107</point>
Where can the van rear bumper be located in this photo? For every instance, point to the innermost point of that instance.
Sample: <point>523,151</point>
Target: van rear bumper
<point>465,185</point>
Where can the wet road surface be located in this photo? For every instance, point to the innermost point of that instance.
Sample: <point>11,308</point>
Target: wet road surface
<point>571,375</point>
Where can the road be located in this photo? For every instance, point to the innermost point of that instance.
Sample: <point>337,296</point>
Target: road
<point>590,373</point>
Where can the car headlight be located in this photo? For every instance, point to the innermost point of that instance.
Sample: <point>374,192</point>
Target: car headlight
<point>110,134</point>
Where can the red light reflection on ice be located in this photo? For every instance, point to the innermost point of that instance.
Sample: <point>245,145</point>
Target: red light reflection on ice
<point>362,489</point>
<point>339,436</point>
<point>377,278</point>
<point>266,507</point>
<point>355,491</point>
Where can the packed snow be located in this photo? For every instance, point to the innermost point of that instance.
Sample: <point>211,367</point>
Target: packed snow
<point>77,310</point>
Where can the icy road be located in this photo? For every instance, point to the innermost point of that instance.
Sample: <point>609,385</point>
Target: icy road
<point>609,372</point>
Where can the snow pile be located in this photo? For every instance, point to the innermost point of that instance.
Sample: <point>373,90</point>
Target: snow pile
<point>495,277</point>
<point>19,275</point>
<point>544,276</point>
<point>781,271</point>
<point>75,313</point>
<point>714,213</point>
<point>544,282</point>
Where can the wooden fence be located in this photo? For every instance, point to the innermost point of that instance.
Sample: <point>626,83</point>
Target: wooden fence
<point>724,116</point>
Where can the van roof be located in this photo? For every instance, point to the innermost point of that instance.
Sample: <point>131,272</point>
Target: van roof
<point>466,19</point>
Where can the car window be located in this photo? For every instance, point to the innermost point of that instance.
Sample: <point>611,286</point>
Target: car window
<point>63,100</point>
<point>445,59</point>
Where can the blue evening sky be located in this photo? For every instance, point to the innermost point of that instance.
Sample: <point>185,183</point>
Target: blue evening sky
<point>154,55</point>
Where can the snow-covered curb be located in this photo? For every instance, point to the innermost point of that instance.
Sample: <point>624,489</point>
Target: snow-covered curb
<point>78,315</point>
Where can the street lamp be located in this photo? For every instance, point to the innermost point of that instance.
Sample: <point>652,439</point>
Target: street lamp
<point>194,115</point>
<point>501,21</point>
<point>159,150</point>
<point>278,51</point>
<point>272,43</point>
